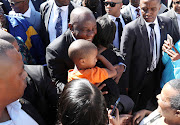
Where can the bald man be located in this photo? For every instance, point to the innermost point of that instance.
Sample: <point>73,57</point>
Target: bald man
<point>82,26</point>
<point>141,46</point>
<point>12,86</point>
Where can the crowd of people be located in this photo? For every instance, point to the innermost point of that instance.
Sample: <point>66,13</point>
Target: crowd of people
<point>89,62</point>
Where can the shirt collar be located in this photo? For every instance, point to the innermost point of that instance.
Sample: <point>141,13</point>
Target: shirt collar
<point>155,22</point>
<point>63,8</point>
<point>73,36</point>
<point>114,18</point>
<point>27,13</point>
<point>133,8</point>
<point>16,105</point>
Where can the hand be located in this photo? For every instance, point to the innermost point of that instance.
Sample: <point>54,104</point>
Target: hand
<point>100,87</point>
<point>173,55</point>
<point>138,116</point>
<point>120,70</point>
<point>123,119</point>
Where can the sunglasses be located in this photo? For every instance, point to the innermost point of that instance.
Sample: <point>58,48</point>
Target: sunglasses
<point>178,2</point>
<point>112,4</point>
<point>15,3</point>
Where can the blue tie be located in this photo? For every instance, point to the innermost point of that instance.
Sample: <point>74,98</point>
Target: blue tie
<point>58,26</point>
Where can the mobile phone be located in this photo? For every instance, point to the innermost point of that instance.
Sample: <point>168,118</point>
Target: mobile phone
<point>115,105</point>
<point>170,40</point>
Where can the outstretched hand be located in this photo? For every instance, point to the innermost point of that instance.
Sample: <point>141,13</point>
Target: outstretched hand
<point>174,55</point>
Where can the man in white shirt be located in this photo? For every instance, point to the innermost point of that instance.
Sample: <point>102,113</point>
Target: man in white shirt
<point>174,14</point>
<point>52,13</point>
<point>113,8</point>
<point>132,9</point>
<point>21,8</point>
<point>12,86</point>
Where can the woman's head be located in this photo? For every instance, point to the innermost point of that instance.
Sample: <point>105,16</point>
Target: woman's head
<point>106,30</point>
<point>81,103</point>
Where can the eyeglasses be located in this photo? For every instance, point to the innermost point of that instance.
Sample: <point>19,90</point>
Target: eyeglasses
<point>112,4</point>
<point>178,2</point>
<point>15,3</point>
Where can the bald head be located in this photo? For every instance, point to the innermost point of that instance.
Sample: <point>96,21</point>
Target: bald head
<point>81,14</point>
<point>4,47</point>
<point>7,36</point>
<point>80,49</point>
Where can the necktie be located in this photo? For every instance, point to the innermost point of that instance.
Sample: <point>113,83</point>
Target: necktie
<point>138,14</point>
<point>152,45</point>
<point>58,26</point>
<point>120,28</point>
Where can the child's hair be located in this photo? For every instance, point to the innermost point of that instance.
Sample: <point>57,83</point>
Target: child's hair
<point>81,103</point>
<point>106,30</point>
<point>80,49</point>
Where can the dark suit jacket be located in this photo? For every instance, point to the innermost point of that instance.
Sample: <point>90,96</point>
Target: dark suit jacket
<point>45,10</point>
<point>176,32</point>
<point>136,50</point>
<point>41,93</point>
<point>57,58</point>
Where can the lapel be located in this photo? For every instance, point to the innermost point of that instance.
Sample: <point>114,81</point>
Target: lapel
<point>144,35</point>
<point>33,17</point>
<point>162,31</point>
<point>48,13</point>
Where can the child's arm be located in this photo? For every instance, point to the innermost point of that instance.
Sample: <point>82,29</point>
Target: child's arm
<point>109,67</point>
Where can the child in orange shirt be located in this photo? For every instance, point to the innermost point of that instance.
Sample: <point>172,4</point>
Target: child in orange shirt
<point>84,54</point>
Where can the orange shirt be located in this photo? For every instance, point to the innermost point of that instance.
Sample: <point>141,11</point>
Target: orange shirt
<point>94,75</point>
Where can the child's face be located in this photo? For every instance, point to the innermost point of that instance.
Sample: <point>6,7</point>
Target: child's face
<point>92,58</point>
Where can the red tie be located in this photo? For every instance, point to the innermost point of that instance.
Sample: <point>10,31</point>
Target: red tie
<point>138,14</point>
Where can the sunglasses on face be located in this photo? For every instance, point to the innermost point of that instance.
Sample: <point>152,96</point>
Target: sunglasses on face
<point>112,4</point>
<point>178,2</point>
<point>15,3</point>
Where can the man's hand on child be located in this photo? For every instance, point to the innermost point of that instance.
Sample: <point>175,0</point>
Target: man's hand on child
<point>120,70</point>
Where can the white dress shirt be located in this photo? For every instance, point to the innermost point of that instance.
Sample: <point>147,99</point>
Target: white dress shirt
<point>116,39</point>
<point>178,19</point>
<point>53,19</point>
<point>158,40</point>
<point>134,12</point>
<point>18,116</point>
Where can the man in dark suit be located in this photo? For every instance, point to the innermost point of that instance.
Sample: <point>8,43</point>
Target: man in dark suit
<point>113,8</point>
<point>132,9</point>
<point>13,84</point>
<point>50,13</point>
<point>82,26</point>
<point>141,46</point>
<point>36,4</point>
<point>175,17</point>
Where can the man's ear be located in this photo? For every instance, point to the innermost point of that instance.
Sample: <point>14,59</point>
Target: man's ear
<point>159,7</point>
<point>70,26</point>
<point>177,113</point>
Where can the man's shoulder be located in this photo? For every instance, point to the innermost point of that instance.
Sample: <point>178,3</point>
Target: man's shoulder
<point>125,9</point>
<point>61,42</point>
<point>46,4</point>
<point>169,13</point>
<point>73,4</point>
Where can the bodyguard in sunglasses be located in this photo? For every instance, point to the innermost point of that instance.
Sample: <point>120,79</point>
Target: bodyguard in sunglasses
<point>174,14</point>
<point>141,46</point>
<point>113,8</point>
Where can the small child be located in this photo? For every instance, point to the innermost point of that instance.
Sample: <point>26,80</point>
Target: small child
<point>84,54</point>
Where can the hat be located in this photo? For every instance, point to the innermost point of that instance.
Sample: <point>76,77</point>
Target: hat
<point>126,104</point>
<point>1,3</point>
